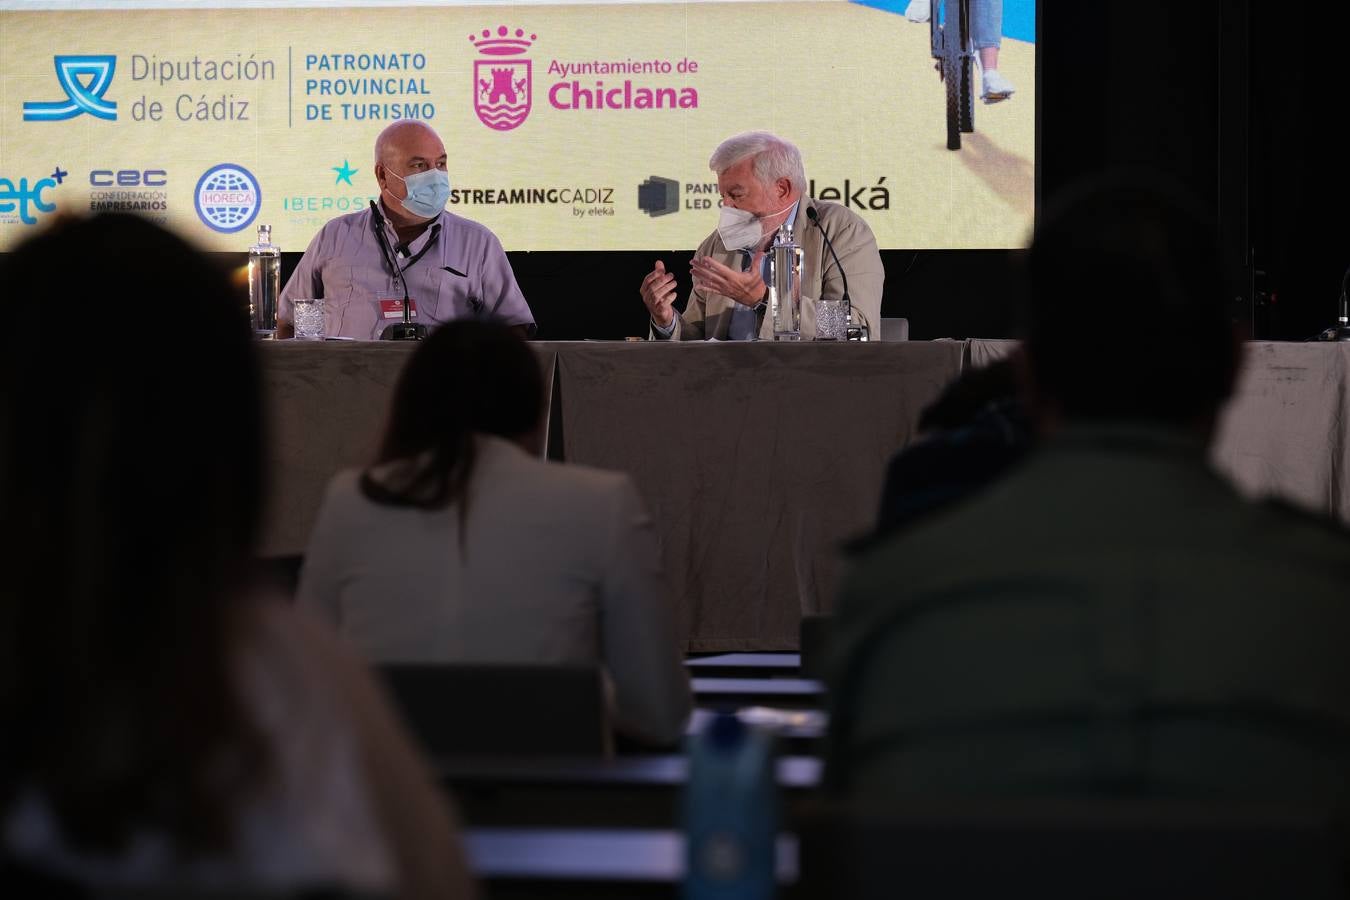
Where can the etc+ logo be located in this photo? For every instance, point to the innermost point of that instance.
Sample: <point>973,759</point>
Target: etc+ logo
<point>85,79</point>
<point>23,195</point>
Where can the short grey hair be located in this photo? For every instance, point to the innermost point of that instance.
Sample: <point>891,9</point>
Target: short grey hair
<point>775,158</point>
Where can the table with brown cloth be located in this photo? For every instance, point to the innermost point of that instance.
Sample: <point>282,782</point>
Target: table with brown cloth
<point>758,459</point>
<point>1286,432</point>
<point>755,459</point>
<point>327,405</point>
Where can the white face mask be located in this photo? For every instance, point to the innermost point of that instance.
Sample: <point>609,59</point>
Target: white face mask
<point>741,230</point>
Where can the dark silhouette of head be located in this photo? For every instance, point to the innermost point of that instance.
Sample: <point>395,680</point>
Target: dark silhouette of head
<point>469,378</point>
<point>1127,306</point>
<point>970,394</point>
<point>130,483</point>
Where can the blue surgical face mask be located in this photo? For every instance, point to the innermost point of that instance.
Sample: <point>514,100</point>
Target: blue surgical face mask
<point>428,192</point>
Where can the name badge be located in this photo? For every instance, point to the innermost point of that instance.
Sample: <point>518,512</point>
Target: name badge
<point>392,308</point>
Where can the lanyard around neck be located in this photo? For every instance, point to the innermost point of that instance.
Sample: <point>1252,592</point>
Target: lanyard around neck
<point>431,241</point>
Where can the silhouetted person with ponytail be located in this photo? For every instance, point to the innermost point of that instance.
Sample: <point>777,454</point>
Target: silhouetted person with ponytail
<point>460,545</point>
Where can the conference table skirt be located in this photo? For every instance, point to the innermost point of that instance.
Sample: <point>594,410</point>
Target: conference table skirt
<point>1286,432</point>
<point>758,460</point>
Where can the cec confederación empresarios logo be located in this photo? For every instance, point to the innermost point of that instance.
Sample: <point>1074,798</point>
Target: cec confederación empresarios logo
<point>227,198</point>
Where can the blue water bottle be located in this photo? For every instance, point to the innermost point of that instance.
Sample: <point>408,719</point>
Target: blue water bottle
<point>730,813</point>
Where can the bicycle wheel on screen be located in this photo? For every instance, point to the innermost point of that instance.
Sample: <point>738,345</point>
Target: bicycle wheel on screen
<point>956,65</point>
<point>966,109</point>
<point>967,68</point>
<point>951,76</point>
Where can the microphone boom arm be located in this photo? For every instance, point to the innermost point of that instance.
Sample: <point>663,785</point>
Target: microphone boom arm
<point>406,330</point>
<point>815,220</point>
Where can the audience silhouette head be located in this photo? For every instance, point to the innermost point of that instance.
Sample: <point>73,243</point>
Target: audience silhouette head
<point>130,485</point>
<point>469,378</point>
<point>1126,308</point>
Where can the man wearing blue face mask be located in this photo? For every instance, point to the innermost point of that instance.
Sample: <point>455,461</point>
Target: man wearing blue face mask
<point>763,185</point>
<point>452,267</point>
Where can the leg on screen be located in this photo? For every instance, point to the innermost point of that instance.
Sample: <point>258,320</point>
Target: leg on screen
<point>987,35</point>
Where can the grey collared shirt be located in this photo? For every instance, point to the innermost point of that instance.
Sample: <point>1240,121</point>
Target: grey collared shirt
<point>463,273</point>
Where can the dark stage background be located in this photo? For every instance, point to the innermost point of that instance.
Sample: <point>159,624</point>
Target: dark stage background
<point>1241,105</point>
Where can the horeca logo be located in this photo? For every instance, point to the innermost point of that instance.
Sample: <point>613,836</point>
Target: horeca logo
<point>501,83</point>
<point>228,197</point>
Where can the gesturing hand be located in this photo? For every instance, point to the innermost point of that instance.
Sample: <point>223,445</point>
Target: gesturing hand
<point>658,293</point>
<point>747,287</point>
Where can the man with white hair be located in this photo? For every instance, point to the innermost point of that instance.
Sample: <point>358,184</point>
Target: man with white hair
<point>451,267</point>
<point>763,186</point>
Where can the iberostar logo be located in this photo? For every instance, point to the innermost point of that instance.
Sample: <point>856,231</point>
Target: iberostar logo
<point>659,196</point>
<point>20,196</point>
<point>501,86</point>
<point>82,96</point>
<point>344,173</point>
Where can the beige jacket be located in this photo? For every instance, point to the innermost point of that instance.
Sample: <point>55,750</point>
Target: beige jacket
<point>559,564</point>
<point>708,315</point>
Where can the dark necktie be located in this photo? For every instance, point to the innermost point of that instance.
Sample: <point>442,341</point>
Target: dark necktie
<point>744,320</point>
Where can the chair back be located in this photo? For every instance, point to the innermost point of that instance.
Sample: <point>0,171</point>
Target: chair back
<point>1104,849</point>
<point>501,709</point>
<point>813,635</point>
<point>895,329</point>
<point>21,881</point>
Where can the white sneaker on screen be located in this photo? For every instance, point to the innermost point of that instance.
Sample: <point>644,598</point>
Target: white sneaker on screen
<point>996,87</point>
<point>918,10</point>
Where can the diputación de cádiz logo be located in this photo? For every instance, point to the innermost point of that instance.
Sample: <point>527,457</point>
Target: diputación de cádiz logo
<point>81,96</point>
<point>227,198</point>
<point>502,87</point>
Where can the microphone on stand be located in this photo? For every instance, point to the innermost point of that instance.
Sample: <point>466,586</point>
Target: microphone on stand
<point>815,220</point>
<point>405,330</point>
<point>1343,322</point>
<point>854,331</point>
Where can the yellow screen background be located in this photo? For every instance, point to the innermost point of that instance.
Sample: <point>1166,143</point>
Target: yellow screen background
<point>853,87</point>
